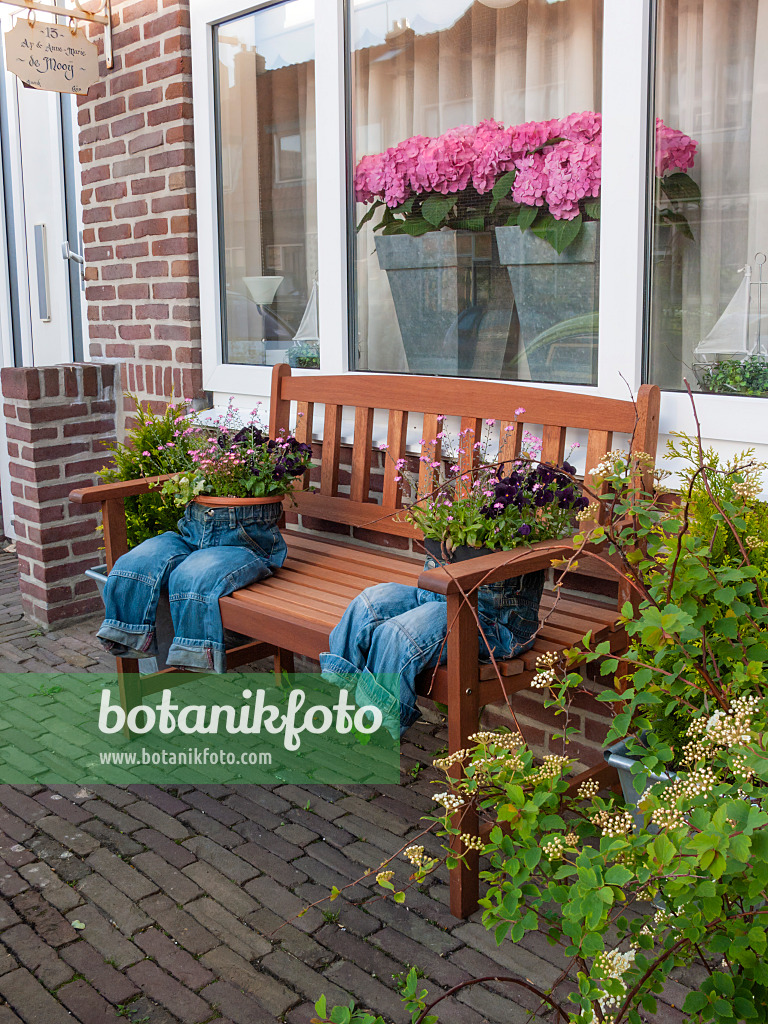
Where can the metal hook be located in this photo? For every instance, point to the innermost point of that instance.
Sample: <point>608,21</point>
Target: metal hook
<point>72,27</point>
<point>31,17</point>
<point>759,261</point>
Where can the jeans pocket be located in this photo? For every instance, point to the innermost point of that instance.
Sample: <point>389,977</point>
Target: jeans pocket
<point>262,540</point>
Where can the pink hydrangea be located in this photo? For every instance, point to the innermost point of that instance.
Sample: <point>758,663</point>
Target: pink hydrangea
<point>558,162</point>
<point>674,150</point>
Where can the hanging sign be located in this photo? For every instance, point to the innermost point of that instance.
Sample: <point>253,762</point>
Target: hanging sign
<point>51,57</point>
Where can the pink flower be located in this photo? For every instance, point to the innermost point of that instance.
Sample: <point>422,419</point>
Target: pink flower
<point>518,412</point>
<point>674,150</point>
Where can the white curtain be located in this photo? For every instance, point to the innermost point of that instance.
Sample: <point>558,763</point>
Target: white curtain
<point>712,83</point>
<point>530,61</point>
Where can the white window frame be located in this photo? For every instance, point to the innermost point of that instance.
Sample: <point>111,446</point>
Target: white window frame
<point>626,105</point>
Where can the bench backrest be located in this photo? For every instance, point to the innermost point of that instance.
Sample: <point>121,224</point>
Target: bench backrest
<point>429,397</point>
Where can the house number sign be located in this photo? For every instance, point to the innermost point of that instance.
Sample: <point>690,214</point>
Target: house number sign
<point>51,57</point>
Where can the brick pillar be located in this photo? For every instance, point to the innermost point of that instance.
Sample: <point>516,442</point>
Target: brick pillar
<point>137,157</point>
<point>58,419</point>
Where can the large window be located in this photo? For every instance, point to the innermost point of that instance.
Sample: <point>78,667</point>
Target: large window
<point>265,106</point>
<point>482,296</point>
<point>709,289</point>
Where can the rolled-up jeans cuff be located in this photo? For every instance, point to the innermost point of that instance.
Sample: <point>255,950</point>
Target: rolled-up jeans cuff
<point>367,691</point>
<point>125,641</point>
<point>204,655</point>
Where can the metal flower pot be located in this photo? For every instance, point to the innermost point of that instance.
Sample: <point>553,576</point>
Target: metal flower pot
<point>556,298</point>
<point>618,758</point>
<point>453,301</point>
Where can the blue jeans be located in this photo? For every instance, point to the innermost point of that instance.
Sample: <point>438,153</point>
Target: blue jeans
<point>215,552</point>
<point>391,632</point>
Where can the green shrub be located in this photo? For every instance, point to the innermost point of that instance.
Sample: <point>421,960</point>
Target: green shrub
<point>155,446</point>
<point>734,376</point>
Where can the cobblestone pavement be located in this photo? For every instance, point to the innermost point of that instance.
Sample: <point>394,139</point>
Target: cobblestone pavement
<point>189,894</point>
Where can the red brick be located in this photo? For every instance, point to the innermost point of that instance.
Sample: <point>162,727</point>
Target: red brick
<point>33,474</point>
<point>97,253</point>
<point>180,132</point>
<point>169,69</point>
<point>92,174</point>
<point>188,355</point>
<point>181,41</point>
<point>83,117</point>
<point>145,99</point>
<point>110,149</point>
<point>179,90</point>
<point>133,291</point>
<point>35,514</point>
<point>21,383</point>
<point>184,268</point>
<point>169,112</point>
<point>141,9</point>
<point>155,226</point>
<point>155,352</point>
<point>186,313</point>
<point>167,23</point>
<point>132,123</point>
<point>116,271</point>
<point>114,232</point>
<point>174,246</point>
<point>115,190</point>
<point>96,133</point>
<point>171,158</point>
<point>124,168</point>
<point>152,311</point>
<point>112,108</point>
<point>132,251</point>
<point>180,201</point>
<point>130,80</point>
<point>31,435</point>
<point>135,332</point>
<point>152,268</point>
<point>120,312</point>
<point>175,290</point>
<point>135,208</point>
<point>175,332</point>
<point>97,215</point>
<point>142,54</point>
<point>181,179</point>
<point>123,39</point>
<point>119,351</point>
<point>150,140</point>
<point>184,224</point>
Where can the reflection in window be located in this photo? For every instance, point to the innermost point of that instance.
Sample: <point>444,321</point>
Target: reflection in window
<point>706,321</point>
<point>464,281</point>
<point>267,179</point>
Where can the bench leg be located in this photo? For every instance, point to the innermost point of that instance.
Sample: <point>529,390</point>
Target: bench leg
<point>463,714</point>
<point>130,687</point>
<point>283,661</point>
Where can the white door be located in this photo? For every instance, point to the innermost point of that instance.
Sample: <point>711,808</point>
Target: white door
<point>41,288</point>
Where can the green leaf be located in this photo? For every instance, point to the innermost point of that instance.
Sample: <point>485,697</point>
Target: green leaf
<point>592,209</point>
<point>436,208</point>
<point>559,233</point>
<point>416,226</point>
<point>369,214</point>
<point>681,187</point>
<point>399,897</point>
<point>502,188</point>
<point>694,1002</point>
<point>471,224</point>
<point>320,1007</point>
<point>617,874</point>
<point>527,216</point>
<point>78,925</point>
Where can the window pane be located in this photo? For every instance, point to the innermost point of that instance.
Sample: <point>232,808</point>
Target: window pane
<point>265,87</point>
<point>470,284</point>
<point>706,321</point>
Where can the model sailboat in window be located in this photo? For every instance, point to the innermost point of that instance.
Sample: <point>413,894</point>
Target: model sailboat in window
<point>304,350</point>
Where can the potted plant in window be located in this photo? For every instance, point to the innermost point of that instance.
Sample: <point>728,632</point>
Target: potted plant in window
<point>457,208</point>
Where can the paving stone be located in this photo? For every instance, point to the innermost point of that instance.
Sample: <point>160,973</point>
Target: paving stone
<point>58,805</point>
<point>113,816</point>
<point>256,814</point>
<point>300,797</point>
<point>214,809</point>
<point>323,875</point>
<point>115,841</point>
<point>68,835</point>
<point>188,932</point>
<point>229,966</point>
<point>284,903</point>
<point>161,798</point>
<point>86,1003</point>
<point>158,819</point>
<point>239,1007</point>
<point>330,833</point>
<point>512,957</point>
<point>118,796</point>
<point>146,1011</point>
<point>478,965</point>
<point>14,854</point>
<point>234,867</point>
<point>176,998</point>
<point>301,978</point>
<point>442,971</point>
<point>118,908</point>
<point>52,928</point>
<point>298,944</point>
<point>34,954</point>
<point>173,958</point>
<point>85,960</point>
<point>370,810</point>
<point>295,835</point>
<point>200,823</point>
<point>164,847</point>
<point>171,881</point>
<point>368,992</point>
<point>67,866</point>
<point>260,842</point>
<point>338,861</point>
<point>127,879</point>
<point>419,930</point>
<point>7,1016</point>
<point>61,896</point>
<point>272,864</point>
<point>8,916</point>
<point>23,806</point>
<point>11,883</point>
<point>14,827</point>
<point>105,937</point>
<point>350,916</point>
<point>367,957</point>
<point>8,961</point>
<point>220,922</point>
<point>233,897</point>
<point>30,1000</point>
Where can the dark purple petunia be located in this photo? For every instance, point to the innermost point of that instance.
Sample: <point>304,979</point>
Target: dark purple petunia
<point>524,530</point>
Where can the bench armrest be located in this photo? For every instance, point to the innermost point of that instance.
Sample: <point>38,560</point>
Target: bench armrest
<point>499,565</point>
<point>120,489</point>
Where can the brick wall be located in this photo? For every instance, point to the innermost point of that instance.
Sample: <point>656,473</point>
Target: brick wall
<point>137,158</point>
<point>58,419</point>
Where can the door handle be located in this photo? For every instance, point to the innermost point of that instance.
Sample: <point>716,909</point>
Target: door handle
<point>70,254</point>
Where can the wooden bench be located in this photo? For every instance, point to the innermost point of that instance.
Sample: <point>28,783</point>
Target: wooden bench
<point>294,611</point>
